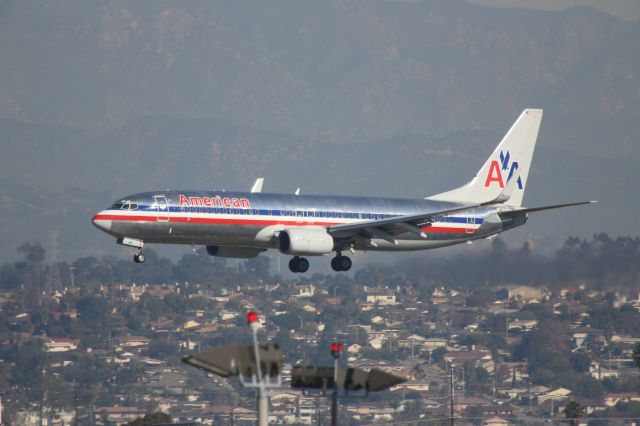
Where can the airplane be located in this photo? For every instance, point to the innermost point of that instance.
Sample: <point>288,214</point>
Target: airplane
<point>244,224</point>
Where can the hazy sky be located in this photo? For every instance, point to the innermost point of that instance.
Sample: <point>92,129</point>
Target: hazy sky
<point>627,9</point>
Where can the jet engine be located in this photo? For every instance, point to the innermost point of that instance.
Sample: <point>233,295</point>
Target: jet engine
<point>305,241</point>
<point>234,252</point>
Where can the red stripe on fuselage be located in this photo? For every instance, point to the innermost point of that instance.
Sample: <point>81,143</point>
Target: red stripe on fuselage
<point>224,221</point>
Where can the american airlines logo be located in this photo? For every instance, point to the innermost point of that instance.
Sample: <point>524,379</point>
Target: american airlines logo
<point>216,201</point>
<point>498,167</point>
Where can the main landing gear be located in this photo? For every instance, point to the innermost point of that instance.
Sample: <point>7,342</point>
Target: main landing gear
<point>298,264</point>
<point>139,256</point>
<point>340,263</point>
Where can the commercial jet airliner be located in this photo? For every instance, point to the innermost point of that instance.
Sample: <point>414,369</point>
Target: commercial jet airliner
<point>244,224</point>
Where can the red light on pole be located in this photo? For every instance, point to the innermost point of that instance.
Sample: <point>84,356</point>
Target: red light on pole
<point>336,349</point>
<point>252,317</point>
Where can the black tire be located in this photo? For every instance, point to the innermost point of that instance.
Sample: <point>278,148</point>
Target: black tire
<point>335,265</point>
<point>341,263</point>
<point>293,264</point>
<point>345,263</point>
<point>141,258</point>
<point>303,265</point>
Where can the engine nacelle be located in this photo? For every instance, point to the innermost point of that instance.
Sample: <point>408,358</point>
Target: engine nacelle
<point>234,252</point>
<point>305,241</point>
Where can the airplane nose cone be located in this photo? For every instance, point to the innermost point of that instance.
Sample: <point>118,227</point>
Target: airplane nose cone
<point>101,222</point>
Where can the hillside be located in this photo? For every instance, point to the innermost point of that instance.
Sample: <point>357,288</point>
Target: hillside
<point>371,97</point>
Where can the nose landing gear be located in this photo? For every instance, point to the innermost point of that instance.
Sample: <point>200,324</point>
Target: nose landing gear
<point>298,264</point>
<point>340,263</point>
<point>139,256</point>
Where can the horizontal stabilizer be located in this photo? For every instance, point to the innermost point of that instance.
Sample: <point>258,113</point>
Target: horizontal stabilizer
<point>539,209</point>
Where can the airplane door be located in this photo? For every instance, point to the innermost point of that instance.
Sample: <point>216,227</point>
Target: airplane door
<point>471,221</point>
<point>311,218</point>
<point>162,207</point>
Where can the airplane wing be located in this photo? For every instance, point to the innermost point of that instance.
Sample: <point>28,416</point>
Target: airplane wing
<point>387,229</point>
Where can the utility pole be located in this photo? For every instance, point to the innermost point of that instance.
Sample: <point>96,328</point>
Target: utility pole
<point>412,345</point>
<point>452,395</point>
<point>75,397</point>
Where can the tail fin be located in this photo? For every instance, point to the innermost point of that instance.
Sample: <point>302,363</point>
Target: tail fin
<point>511,158</point>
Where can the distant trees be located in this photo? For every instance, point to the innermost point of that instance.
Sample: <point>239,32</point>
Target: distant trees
<point>573,411</point>
<point>32,252</point>
<point>438,354</point>
<point>636,355</point>
<point>151,419</point>
<point>602,262</point>
<point>547,351</point>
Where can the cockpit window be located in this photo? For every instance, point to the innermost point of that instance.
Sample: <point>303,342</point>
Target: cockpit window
<point>125,205</point>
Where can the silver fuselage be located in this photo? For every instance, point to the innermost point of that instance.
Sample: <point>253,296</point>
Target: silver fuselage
<point>241,219</point>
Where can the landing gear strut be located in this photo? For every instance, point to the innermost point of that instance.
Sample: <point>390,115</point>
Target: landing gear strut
<point>298,264</point>
<point>139,256</point>
<point>340,263</point>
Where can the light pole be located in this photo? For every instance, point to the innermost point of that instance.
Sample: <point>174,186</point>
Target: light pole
<point>263,400</point>
<point>336,349</point>
<point>256,367</point>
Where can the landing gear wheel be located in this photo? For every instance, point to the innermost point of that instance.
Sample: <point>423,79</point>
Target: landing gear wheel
<point>341,263</point>
<point>298,264</point>
<point>303,265</point>
<point>138,257</point>
<point>293,264</point>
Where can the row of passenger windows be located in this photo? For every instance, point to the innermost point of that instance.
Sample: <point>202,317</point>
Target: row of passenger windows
<point>290,213</point>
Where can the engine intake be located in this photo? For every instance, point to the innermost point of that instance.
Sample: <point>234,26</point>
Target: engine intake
<point>305,241</point>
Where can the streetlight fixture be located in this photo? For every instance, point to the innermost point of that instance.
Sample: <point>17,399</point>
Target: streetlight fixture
<point>257,366</point>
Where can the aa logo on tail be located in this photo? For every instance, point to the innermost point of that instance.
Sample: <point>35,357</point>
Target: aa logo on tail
<point>497,168</point>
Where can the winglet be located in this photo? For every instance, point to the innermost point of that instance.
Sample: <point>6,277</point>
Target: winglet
<point>257,185</point>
